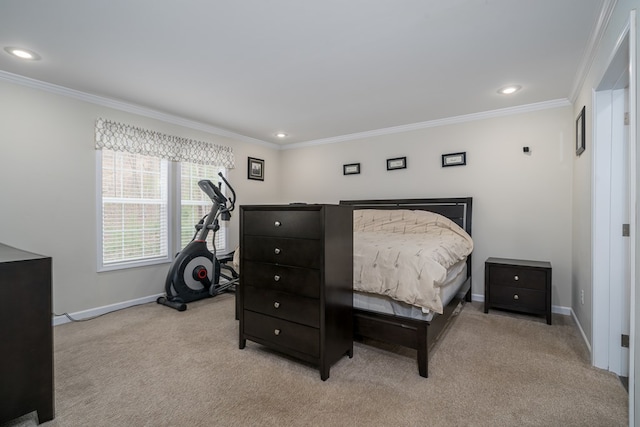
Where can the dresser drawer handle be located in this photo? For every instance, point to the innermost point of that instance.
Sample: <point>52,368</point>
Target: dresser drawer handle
<point>276,278</point>
<point>277,223</point>
<point>276,251</point>
<point>516,278</point>
<point>276,331</point>
<point>516,296</point>
<point>276,304</point>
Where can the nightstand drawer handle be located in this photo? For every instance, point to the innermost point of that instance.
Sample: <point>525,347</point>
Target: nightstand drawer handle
<point>276,251</point>
<point>516,296</point>
<point>276,331</point>
<point>276,304</point>
<point>277,223</point>
<point>276,278</point>
<point>516,278</point>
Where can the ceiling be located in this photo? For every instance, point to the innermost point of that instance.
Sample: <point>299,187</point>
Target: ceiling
<point>315,70</point>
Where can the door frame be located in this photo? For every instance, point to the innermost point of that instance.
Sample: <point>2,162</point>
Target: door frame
<point>603,311</point>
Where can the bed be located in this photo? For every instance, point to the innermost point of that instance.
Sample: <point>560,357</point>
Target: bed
<point>405,321</point>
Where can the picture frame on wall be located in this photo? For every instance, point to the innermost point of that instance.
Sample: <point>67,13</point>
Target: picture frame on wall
<point>580,132</point>
<point>351,169</point>
<point>396,163</point>
<point>255,169</point>
<point>454,159</point>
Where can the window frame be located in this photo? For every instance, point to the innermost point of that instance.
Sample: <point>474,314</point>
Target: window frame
<point>174,205</point>
<point>101,266</point>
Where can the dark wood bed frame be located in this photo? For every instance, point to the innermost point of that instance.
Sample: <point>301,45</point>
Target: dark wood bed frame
<point>416,334</point>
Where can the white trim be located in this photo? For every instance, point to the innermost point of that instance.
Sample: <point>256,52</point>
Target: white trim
<point>434,123</point>
<point>557,309</point>
<point>584,336</point>
<point>128,107</point>
<point>191,124</point>
<point>477,297</point>
<point>591,50</point>
<point>633,200</point>
<point>142,262</point>
<point>92,312</point>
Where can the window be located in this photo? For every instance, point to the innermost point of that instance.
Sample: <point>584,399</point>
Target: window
<point>135,201</point>
<point>195,204</point>
<point>135,213</point>
<point>141,175</point>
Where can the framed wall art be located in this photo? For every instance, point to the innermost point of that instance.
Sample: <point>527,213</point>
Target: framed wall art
<point>454,159</point>
<point>351,169</point>
<point>255,169</point>
<point>396,163</point>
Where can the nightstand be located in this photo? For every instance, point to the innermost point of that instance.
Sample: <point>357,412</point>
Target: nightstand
<point>518,285</point>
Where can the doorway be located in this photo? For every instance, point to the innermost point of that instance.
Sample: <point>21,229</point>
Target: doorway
<point>614,213</point>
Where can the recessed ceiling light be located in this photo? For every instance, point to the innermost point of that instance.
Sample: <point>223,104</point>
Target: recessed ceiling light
<point>22,53</point>
<point>508,90</point>
<point>281,135</point>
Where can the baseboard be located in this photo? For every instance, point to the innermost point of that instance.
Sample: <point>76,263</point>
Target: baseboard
<point>557,309</point>
<point>92,312</point>
<point>584,336</point>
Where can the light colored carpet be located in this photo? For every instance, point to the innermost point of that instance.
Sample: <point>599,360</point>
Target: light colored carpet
<point>153,366</point>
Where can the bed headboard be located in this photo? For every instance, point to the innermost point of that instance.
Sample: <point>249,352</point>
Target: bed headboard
<point>457,209</point>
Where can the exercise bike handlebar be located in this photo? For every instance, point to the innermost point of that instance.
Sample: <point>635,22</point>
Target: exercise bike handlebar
<point>212,191</point>
<point>232,200</point>
<point>216,195</point>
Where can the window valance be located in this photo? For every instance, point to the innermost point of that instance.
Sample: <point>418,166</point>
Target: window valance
<point>121,137</point>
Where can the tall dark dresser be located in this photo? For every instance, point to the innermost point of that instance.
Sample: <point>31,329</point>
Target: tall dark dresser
<point>26,359</point>
<point>296,281</point>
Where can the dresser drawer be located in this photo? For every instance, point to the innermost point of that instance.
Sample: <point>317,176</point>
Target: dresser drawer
<point>281,304</point>
<point>283,223</point>
<point>295,280</point>
<point>282,332</point>
<point>294,252</point>
<point>518,277</point>
<point>518,298</point>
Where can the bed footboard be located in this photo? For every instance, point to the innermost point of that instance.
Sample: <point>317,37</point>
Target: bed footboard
<point>415,334</point>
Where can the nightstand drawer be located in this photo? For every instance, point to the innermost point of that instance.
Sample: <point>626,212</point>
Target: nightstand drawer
<point>518,298</point>
<point>294,252</point>
<point>281,332</point>
<point>283,305</point>
<point>517,277</point>
<point>278,223</point>
<point>295,280</point>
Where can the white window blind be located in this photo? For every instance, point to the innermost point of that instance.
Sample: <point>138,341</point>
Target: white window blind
<point>195,203</point>
<point>134,207</point>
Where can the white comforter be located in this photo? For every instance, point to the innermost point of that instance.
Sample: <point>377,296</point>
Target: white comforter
<point>405,254</point>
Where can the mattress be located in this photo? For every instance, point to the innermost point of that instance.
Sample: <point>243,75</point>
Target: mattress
<point>406,255</point>
<point>381,304</point>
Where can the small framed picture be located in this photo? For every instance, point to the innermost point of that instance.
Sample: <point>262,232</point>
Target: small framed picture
<point>255,169</point>
<point>454,159</point>
<point>580,132</point>
<point>396,163</point>
<point>351,169</point>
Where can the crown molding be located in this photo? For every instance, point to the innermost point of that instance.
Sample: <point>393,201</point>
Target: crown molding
<point>592,47</point>
<point>434,123</point>
<point>191,124</point>
<point>129,108</point>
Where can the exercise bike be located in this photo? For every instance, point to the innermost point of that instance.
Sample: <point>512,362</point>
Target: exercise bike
<point>196,272</point>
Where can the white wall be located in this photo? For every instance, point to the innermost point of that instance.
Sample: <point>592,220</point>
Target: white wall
<point>48,191</point>
<point>521,203</point>
<point>583,171</point>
